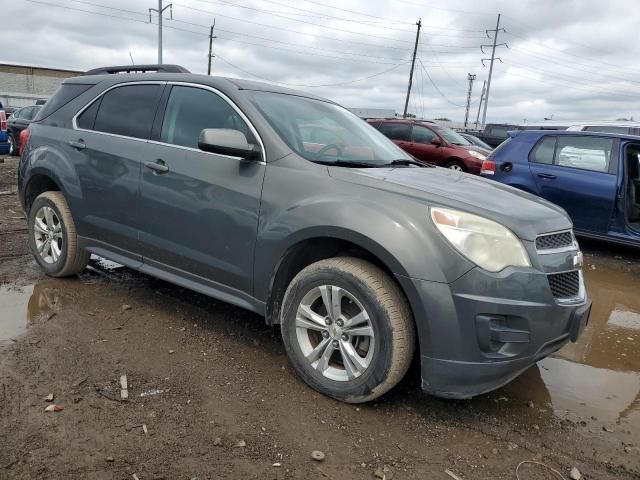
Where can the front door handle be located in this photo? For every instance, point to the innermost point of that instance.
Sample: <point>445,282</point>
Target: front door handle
<point>158,167</point>
<point>547,176</point>
<point>78,144</point>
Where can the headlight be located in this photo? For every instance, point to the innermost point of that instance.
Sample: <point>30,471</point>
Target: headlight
<point>477,155</point>
<point>485,242</point>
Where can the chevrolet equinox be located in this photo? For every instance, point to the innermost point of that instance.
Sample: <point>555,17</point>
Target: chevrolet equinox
<point>290,206</point>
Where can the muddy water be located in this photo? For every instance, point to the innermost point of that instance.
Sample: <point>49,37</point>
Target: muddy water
<point>13,315</point>
<point>597,379</point>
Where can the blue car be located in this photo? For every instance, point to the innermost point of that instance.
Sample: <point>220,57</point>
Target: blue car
<point>595,177</point>
<point>4,138</point>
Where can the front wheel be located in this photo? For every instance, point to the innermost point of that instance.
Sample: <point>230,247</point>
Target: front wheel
<point>455,165</point>
<point>347,329</point>
<point>53,238</point>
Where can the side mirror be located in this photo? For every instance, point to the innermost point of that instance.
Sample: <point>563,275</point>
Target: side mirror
<point>225,141</point>
<point>436,141</point>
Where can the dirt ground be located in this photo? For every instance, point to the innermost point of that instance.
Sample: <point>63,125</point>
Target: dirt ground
<point>212,395</point>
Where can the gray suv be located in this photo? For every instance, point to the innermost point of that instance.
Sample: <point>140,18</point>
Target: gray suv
<point>290,206</point>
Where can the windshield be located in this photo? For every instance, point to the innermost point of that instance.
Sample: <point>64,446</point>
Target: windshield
<point>323,132</point>
<point>451,136</point>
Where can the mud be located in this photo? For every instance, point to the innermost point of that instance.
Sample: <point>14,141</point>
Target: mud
<point>205,378</point>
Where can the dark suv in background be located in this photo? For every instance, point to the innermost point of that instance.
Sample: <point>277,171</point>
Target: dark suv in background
<point>433,143</point>
<point>19,120</point>
<point>358,252</point>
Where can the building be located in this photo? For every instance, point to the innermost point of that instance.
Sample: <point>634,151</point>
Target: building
<point>22,85</point>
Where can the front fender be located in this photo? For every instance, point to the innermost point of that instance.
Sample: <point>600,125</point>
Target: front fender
<point>302,204</point>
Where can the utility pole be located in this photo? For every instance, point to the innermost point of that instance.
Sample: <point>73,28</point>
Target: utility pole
<point>211,55</point>
<point>493,57</point>
<point>484,86</point>
<point>160,10</point>
<point>413,64</point>
<point>471,78</point>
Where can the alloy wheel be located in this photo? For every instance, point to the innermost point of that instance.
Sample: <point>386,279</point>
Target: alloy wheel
<point>11,145</point>
<point>47,230</point>
<point>455,167</point>
<point>335,333</point>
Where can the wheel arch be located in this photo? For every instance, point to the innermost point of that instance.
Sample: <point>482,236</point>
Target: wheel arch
<point>319,244</point>
<point>39,182</point>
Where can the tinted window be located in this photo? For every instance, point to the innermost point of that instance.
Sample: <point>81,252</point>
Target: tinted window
<point>128,110</point>
<point>88,117</point>
<point>543,153</point>
<point>395,131</point>
<point>588,153</point>
<point>611,129</point>
<point>65,93</point>
<point>190,110</point>
<point>422,134</point>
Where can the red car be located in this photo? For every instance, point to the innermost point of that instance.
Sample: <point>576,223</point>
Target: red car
<point>433,143</point>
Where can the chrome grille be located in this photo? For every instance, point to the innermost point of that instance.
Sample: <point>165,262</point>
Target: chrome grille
<point>554,240</point>
<point>565,285</point>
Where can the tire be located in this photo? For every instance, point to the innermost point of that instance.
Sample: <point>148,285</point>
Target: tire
<point>13,146</point>
<point>455,165</point>
<point>383,359</point>
<point>50,221</point>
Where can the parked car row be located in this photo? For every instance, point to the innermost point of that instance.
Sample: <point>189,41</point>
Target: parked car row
<point>435,144</point>
<point>290,206</point>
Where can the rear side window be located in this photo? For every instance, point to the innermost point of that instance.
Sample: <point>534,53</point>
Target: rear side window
<point>190,110</point>
<point>586,153</point>
<point>544,151</point>
<point>65,93</point>
<point>128,110</point>
<point>395,131</point>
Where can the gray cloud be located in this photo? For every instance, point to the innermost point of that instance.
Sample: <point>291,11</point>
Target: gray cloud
<point>569,58</point>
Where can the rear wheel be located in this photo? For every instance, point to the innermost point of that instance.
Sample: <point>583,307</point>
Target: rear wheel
<point>13,146</point>
<point>53,238</point>
<point>347,329</point>
<point>456,165</point>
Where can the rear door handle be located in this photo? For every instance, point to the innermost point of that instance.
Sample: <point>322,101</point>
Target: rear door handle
<point>158,167</point>
<point>78,144</point>
<point>547,176</point>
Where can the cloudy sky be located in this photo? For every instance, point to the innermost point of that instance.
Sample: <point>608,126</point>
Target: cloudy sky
<point>570,59</point>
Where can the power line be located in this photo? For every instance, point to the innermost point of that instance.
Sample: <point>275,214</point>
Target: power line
<point>377,45</point>
<point>313,86</point>
<point>436,87</point>
<point>304,21</point>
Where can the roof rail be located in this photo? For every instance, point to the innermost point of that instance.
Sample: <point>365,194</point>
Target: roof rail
<point>164,68</point>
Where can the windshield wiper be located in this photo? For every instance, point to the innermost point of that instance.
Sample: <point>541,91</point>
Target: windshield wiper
<point>406,162</point>
<point>346,163</point>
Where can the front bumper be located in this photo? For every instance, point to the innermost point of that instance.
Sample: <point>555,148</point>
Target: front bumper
<point>483,330</point>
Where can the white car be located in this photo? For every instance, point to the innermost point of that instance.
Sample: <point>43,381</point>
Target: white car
<point>626,128</point>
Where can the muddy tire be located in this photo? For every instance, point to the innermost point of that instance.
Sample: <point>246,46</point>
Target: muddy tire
<point>53,238</point>
<point>348,329</point>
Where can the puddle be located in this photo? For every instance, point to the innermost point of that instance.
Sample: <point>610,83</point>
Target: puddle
<point>22,305</point>
<point>13,316</point>
<point>597,379</point>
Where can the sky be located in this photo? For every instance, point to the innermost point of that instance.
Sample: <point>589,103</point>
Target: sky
<point>563,59</point>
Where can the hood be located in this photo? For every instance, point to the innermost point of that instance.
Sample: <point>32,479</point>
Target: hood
<point>476,148</point>
<point>524,214</point>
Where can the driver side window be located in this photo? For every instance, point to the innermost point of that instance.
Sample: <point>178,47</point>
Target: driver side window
<point>190,110</point>
<point>422,135</point>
